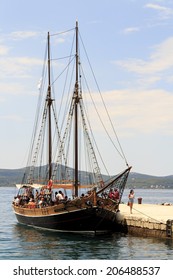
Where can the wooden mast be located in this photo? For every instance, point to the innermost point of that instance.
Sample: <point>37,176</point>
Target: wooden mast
<point>49,102</point>
<point>76,96</point>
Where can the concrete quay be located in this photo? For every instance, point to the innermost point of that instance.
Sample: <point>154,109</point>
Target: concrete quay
<point>148,220</point>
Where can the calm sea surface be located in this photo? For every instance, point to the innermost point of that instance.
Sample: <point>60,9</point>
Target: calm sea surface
<point>22,242</point>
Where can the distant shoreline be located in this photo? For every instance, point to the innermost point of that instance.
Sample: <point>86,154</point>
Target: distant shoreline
<point>10,177</point>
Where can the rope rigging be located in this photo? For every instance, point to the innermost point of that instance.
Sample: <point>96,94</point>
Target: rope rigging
<point>116,136</point>
<point>61,141</point>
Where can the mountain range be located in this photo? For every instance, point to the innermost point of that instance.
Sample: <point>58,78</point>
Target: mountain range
<point>9,177</point>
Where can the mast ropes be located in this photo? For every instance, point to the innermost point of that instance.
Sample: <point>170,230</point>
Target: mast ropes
<point>65,155</point>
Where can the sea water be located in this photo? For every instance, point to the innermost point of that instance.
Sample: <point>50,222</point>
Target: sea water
<point>18,242</point>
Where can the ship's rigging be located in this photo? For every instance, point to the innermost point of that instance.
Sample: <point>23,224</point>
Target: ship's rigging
<point>63,150</point>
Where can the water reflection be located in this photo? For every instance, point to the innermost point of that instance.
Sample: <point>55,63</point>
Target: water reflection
<point>147,248</point>
<point>41,244</point>
<point>29,243</point>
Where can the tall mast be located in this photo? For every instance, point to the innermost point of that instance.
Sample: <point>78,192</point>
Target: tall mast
<point>49,102</point>
<point>76,114</point>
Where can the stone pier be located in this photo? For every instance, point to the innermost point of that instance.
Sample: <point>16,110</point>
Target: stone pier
<point>147,220</point>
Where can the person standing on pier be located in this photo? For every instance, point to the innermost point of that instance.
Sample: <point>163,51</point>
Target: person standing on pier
<point>131,200</point>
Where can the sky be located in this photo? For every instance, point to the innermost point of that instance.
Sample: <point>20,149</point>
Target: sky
<point>130,44</point>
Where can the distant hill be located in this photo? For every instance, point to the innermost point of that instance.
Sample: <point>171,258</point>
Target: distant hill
<point>9,177</point>
<point>137,180</point>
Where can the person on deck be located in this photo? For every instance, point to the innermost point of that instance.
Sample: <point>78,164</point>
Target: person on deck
<point>131,197</point>
<point>49,186</point>
<point>111,194</point>
<point>17,200</point>
<point>59,196</point>
<point>41,203</point>
<point>116,194</point>
<point>31,204</point>
<point>36,195</point>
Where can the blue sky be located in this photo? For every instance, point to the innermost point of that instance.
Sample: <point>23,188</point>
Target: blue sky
<point>130,44</point>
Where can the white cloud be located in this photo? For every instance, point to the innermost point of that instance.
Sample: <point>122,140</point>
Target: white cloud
<point>164,12</point>
<point>159,61</point>
<point>147,110</point>
<point>140,111</point>
<point>4,50</point>
<point>18,66</point>
<point>131,30</point>
<point>156,7</point>
<point>11,88</point>
<point>18,35</point>
<point>59,40</point>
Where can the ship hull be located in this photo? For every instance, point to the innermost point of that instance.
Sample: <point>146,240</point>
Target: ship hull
<point>90,220</point>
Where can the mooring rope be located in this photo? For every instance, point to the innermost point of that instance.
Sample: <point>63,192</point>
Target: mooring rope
<point>148,216</point>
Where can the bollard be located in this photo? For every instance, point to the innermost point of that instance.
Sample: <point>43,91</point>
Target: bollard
<point>140,200</point>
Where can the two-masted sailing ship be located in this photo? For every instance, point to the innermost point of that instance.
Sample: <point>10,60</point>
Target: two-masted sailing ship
<point>54,193</point>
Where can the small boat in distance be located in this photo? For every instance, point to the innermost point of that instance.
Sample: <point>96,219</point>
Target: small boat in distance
<point>57,192</point>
